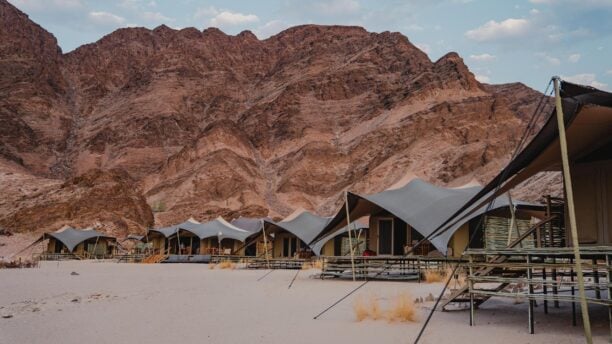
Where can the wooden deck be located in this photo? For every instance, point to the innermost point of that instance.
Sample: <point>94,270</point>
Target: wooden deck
<point>392,268</point>
<point>543,275</point>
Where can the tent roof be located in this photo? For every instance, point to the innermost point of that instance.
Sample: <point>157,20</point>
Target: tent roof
<point>165,231</point>
<point>356,226</point>
<point>71,237</point>
<point>304,225</point>
<point>134,237</point>
<point>421,205</point>
<point>249,224</point>
<point>588,118</point>
<point>215,228</point>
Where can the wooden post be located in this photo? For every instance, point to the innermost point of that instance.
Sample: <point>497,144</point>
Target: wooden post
<point>348,225</point>
<point>263,229</point>
<point>573,292</point>
<point>596,279</point>
<point>567,177</point>
<point>471,289</point>
<point>530,295</point>
<point>549,226</point>
<point>545,290</point>
<point>609,270</point>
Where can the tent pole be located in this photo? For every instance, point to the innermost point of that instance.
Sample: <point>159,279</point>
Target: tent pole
<point>513,223</point>
<point>348,224</point>
<point>95,246</point>
<point>263,228</point>
<point>572,211</point>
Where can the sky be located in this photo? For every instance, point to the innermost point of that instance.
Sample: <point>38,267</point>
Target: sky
<point>500,40</point>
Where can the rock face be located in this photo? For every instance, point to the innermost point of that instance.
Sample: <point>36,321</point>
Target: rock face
<point>207,124</point>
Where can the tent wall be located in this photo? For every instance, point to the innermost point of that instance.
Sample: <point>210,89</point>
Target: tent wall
<point>159,244</point>
<point>53,244</point>
<point>280,239</point>
<point>459,241</point>
<point>592,183</point>
<point>329,249</point>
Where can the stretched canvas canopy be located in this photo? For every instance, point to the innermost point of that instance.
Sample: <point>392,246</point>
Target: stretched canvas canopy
<point>249,224</point>
<point>421,205</point>
<point>71,237</point>
<point>164,231</point>
<point>215,228</point>
<point>588,118</point>
<point>355,227</point>
<point>169,231</point>
<point>303,224</point>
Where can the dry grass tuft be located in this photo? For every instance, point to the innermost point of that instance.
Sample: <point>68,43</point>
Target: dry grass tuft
<point>361,309</point>
<point>402,309</point>
<point>434,276</point>
<point>317,264</point>
<point>212,266</point>
<point>306,266</point>
<point>375,311</point>
<point>367,308</point>
<point>226,264</point>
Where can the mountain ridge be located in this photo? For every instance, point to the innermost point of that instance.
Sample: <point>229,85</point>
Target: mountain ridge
<point>206,124</point>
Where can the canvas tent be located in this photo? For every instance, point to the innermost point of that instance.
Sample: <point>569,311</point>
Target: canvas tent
<point>337,243</point>
<point>159,238</point>
<point>83,242</point>
<point>292,234</point>
<point>256,245</point>
<point>400,217</point>
<point>588,119</point>
<point>211,236</point>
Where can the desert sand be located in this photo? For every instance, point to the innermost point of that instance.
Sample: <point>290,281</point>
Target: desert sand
<point>190,303</point>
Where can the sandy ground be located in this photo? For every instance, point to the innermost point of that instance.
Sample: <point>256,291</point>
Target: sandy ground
<point>189,303</point>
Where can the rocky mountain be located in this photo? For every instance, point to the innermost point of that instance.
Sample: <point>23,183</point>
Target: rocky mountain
<point>200,123</point>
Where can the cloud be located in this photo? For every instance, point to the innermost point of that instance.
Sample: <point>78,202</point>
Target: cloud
<point>573,58</point>
<point>337,7</point>
<point>105,18</point>
<point>205,12</point>
<point>270,28</point>
<point>483,78</point>
<point>492,30</point>
<point>227,18</point>
<point>483,57</point>
<point>549,59</point>
<point>156,17</point>
<point>609,72</point>
<point>38,5</point>
<point>584,3</point>
<point>415,27</point>
<point>588,79</point>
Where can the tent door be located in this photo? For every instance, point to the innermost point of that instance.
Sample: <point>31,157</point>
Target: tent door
<point>400,237</point>
<point>385,236</point>
<point>293,246</point>
<point>286,247</point>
